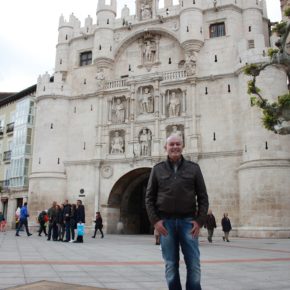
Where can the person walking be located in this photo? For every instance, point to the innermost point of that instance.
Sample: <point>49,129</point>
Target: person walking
<point>98,225</point>
<point>42,219</point>
<point>177,204</point>
<point>2,222</point>
<point>23,220</point>
<point>210,224</point>
<point>80,218</point>
<point>227,227</point>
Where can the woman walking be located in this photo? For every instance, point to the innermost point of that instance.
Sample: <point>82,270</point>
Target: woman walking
<point>226,225</point>
<point>98,224</point>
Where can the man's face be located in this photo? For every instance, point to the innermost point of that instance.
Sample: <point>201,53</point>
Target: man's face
<point>174,147</point>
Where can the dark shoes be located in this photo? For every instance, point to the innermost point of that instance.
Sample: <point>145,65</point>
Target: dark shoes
<point>223,238</point>
<point>29,234</point>
<point>228,241</point>
<point>102,237</point>
<point>93,237</point>
<point>17,235</point>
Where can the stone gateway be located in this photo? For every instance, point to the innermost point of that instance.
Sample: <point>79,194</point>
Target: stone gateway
<point>122,85</point>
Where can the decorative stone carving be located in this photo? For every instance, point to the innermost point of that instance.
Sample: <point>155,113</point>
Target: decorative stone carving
<point>145,138</point>
<point>190,63</point>
<point>146,9</point>
<point>149,51</point>
<point>119,110</point>
<point>177,130</point>
<point>117,143</point>
<point>107,171</point>
<point>174,105</point>
<point>100,79</point>
<point>146,100</point>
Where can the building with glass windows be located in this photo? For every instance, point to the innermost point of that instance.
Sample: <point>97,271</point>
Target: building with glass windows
<point>16,117</point>
<point>122,85</point>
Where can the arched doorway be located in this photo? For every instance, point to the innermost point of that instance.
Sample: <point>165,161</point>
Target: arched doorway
<point>128,194</point>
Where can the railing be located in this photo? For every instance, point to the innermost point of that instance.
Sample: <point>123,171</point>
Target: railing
<point>174,75</point>
<point>115,84</point>
<point>9,127</point>
<point>7,155</point>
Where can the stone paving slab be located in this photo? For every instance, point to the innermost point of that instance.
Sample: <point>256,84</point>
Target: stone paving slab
<point>127,262</point>
<point>48,285</point>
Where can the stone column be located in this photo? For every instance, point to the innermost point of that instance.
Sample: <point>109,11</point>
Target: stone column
<point>11,213</point>
<point>183,111</point>
<point>195,115</point>
<point>109,103</point>
<point>127,109</point>
<point>97,186</point>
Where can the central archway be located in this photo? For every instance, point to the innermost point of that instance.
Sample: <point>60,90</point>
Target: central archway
<point>128,194</point>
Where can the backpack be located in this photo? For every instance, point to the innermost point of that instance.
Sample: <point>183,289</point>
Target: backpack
<point>40,218</point>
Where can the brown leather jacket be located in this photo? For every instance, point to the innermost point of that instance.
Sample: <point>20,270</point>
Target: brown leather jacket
<point>176,194</point>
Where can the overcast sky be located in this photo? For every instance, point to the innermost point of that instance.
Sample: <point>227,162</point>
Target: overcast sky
<point>29,32</point>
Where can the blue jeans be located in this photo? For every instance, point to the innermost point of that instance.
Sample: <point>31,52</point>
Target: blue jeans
<point>179,234</point>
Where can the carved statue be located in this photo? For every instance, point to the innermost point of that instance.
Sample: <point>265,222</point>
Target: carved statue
<point>100,79</point>
<point>117,143</point>
<point>146,10</point>
<point>190,63</point>
<point>174,106</point>
<point>119,111</point>
<point>146,101</point>
<point>149,51</point>
<point>145,139</point>
<point>176,132</point>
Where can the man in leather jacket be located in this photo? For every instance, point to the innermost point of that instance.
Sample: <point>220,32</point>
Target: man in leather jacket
<point>177,205</point>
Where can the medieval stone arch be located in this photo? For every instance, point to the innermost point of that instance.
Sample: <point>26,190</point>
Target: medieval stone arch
<point>128,196</point>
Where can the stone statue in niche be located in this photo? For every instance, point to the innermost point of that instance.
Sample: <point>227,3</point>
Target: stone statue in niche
<point>174,105</point>
<point>146,10</point>
<point>145,142</point>
<point>176,130</point>
<point>119,110</point>
<point>146,101</point>
<point>117,143</point>
<point>100,79</point>
<point>149,51</point>
<point>190,63</point>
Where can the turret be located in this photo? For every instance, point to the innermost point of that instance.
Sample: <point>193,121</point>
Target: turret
<point>191,23</point>
<point>65,34</point>
<point>104,35</point>
<point>253,23</point>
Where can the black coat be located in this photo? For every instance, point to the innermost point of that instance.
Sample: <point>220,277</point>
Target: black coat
<point>80,214</point>
<point>210,222</point>
<point>99,223</point>
<point>226,224</point>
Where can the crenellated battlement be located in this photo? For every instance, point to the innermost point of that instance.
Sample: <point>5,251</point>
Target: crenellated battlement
<point>102,6</point>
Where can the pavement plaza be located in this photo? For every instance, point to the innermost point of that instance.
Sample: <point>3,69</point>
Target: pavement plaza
<point>134,262</point>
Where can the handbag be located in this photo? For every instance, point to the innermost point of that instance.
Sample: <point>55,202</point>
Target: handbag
<point>80,229</point>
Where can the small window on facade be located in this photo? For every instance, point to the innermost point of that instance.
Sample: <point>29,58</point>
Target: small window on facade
<point>85,58</point>
<point>250,28</point>
<point>217,30</point>
<point>108,21</point>
<point>251,43</point>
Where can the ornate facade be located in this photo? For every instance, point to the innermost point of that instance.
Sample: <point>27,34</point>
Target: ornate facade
<point>122,85</point>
